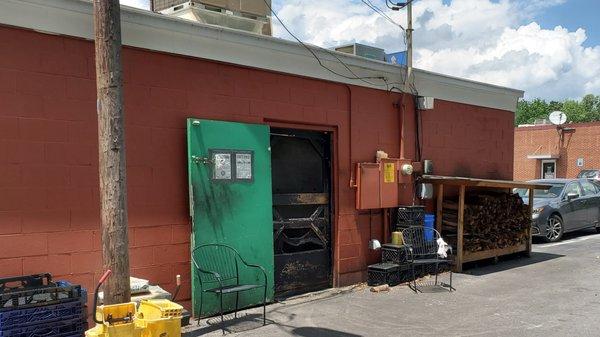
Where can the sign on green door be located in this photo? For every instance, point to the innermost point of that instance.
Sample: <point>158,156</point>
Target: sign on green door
<point>229,169</point>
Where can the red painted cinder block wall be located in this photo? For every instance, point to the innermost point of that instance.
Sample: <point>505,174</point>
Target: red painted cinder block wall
<point>583,142</point>
<point>49,214</point>
<point>469,141</point>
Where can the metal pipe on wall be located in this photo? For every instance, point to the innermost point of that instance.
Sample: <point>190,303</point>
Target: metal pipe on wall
<point>352,182</point>
<point>401,108</point>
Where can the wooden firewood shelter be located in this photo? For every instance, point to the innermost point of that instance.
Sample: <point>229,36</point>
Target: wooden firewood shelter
<point>462,256</point>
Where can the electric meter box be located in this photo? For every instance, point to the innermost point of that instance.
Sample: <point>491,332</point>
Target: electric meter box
<point>384,184</point>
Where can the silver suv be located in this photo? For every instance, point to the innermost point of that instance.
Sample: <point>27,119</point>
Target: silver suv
<point>590,174</point>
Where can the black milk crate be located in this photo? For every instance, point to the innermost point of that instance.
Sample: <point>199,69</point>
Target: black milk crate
<point>10,284</point>
<point>36,290</point>
<point>383,273</point>
<point>411,216</point>
<point>63,328</point>
<point>393,253</point>
<point>70,310</point>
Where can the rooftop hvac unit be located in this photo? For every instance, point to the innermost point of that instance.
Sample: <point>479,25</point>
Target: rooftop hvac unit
<point>160,5</point>
<point>362,50</point>
<point>243,15</point>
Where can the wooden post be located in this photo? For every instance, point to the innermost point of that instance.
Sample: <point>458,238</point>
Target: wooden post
<point>111,148</point>
<point>460,229</point>
<point>529,239</point>
<point>439,208</point>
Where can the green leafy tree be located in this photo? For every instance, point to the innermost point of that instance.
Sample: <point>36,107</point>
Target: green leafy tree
<point>591,103</point>
<point>575,111</point>
<point>555,106</point>
<point>529,111</point>
<point>585,110</point>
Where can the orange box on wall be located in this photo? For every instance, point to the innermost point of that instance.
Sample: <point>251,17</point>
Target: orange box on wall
<point>378,185</point>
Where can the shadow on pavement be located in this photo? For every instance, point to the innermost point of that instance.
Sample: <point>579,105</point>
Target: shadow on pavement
<point>254,321</point>
<point>488,266</point>
<point>231,324</point>
<point>247,321</point>
<point>320,332</point>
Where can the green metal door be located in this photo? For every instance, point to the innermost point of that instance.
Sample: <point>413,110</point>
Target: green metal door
<point>229,170</point>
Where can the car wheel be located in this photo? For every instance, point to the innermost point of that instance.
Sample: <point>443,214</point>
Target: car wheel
<point>598,229</point>
<point>554,229</point>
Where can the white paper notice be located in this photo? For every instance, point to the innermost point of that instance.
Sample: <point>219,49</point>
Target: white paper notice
<point>222,162</point>
<point>243,166</point>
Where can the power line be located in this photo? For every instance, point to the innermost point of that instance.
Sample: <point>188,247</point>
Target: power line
<point>356,77</point>
<point>381,13</point>
<point>387,17</point>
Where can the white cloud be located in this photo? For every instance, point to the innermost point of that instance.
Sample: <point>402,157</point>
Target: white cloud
<point>486,40</point>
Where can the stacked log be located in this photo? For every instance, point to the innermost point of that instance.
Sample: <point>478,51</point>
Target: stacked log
<point>491,220</point>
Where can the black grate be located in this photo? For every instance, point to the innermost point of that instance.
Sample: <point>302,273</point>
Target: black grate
<point>301,182</point>
<point>410,216</point>
<point>383,273</point>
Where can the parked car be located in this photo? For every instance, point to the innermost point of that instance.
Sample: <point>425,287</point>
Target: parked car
<point>569,205</point>
<point>590,174</point>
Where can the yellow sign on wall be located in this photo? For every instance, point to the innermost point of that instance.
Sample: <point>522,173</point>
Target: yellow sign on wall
<point>389,172</point>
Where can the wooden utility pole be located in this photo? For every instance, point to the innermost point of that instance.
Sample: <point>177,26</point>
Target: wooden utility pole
<point>409,46</point>
<point>111,146</point>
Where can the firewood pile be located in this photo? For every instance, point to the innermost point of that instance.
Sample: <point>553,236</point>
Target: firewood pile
<point>491,220</point>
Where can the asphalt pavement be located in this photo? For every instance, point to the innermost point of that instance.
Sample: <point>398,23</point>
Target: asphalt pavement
<point>555,292</point>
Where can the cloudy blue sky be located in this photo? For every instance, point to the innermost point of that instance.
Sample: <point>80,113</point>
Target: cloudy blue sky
<point>549,48</point>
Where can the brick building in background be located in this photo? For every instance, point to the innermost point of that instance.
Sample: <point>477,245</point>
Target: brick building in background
<point>174,70</point>
<point>559,152</point>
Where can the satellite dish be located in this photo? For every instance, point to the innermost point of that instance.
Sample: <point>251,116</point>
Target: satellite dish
<point>557,118</point>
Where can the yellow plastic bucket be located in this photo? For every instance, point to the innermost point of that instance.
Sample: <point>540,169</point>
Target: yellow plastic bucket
<point>153,318</point>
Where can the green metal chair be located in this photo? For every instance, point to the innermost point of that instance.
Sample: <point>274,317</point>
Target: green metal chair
<point>218,268</point>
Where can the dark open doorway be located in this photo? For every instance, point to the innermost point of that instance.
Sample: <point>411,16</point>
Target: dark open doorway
<point>302,208</point>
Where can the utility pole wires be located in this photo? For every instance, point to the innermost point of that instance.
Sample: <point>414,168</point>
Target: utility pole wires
<point>409,39</point>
